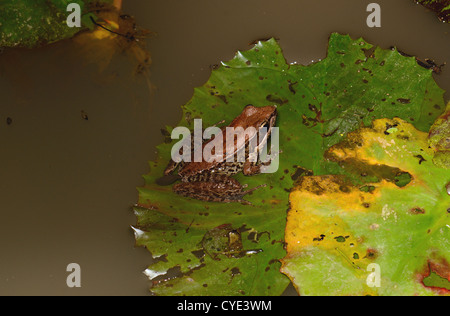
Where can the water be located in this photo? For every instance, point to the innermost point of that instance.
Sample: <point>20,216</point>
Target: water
<point>78,140</point>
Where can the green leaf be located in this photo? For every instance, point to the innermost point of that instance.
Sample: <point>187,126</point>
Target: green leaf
<point>29,23</point>
<point>317,106</point>
<point>404,231</point>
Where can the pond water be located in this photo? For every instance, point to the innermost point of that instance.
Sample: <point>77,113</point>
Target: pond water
<point>75,141</point>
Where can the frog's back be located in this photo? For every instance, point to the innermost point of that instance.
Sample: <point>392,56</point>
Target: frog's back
<point>202,172</point>
<point>194,168</point>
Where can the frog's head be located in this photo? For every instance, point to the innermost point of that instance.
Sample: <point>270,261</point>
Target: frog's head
<point>258,117</point>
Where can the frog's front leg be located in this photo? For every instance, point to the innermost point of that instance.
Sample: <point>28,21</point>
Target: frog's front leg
<point>251,168</point>
<point>219,188</point>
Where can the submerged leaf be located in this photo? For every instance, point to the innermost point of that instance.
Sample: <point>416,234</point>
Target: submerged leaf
<point>336,231</point>
<point>317,106</point>
<point>115,33</point>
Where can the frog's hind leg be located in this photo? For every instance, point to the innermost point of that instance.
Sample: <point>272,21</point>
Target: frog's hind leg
<point>220,189</point>
<point>169,178</point>
<point>251,168</point>
<point>172,166</point>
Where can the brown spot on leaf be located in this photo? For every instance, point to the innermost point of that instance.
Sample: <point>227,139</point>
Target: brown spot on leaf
<point>235,271</point>
<point>421,159</point>
<point>291,86</point>
<point>223,98</point>
<point>371,254</point>
<point>417,211</point>
<point>404,101</point>
<point>276,100</point>
<point>300,172</point>
<point>320,238</point>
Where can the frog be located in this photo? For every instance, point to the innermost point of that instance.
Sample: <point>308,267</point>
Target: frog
<point>212,181</point>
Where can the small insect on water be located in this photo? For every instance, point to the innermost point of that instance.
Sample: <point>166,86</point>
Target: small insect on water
<point>210,180</point>
<point>84,115</point>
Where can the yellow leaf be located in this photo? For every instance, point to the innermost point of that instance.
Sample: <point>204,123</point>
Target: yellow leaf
<point>336,231</point>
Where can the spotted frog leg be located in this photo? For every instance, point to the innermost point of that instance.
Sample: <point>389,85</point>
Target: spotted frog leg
<point>216,188</point>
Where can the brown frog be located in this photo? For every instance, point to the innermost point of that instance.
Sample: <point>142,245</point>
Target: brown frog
<point>211,181</point>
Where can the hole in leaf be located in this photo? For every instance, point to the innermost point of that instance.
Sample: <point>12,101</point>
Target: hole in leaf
<point>367,188</point>
<point>436,281</point>
<point>402,179</point>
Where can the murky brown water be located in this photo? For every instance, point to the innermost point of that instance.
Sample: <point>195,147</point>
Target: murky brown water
<point>67,184</point>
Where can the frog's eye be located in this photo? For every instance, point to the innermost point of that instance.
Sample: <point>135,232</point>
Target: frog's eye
<point>249,107</point>
<point>265,123</point>
<point>250,110</point>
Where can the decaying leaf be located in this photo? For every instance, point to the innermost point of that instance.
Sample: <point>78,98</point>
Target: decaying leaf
<point>339,234</point>
<point>114,33</point>
<point>439,140</point>
<point>440,7</point>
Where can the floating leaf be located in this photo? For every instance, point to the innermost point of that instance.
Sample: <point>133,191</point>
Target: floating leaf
<point>336,231</point>
<point>29,23</point>
<point>317,106</point>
